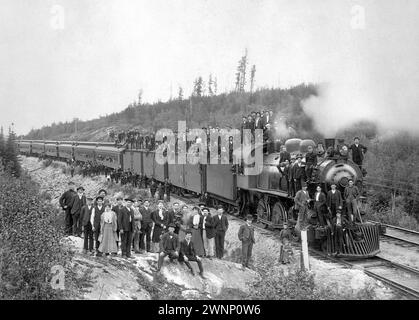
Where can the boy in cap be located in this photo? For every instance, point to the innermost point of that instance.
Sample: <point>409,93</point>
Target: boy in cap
<point>169,246</point>
<point>78,201</point>
<point>286,250</point>
<point>247,237</point>
<point>86,214</point>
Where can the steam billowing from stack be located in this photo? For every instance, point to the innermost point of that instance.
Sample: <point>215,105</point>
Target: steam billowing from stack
<point>372,73</point>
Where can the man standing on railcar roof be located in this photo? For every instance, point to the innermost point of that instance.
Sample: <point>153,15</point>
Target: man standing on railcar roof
<point>65,203</point>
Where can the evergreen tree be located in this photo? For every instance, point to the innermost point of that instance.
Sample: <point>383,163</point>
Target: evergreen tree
<point>2,147</point>
<point>210,83</point>
<point>198,87</point>
<point>180,94</point>
<point>10,155</point>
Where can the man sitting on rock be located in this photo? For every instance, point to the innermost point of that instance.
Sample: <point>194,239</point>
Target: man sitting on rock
<point>169,246</point>
<point>187,253</point>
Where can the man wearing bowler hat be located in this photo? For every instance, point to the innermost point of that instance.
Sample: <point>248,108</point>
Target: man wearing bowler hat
<point>126,227</point>
<point>78,202</point>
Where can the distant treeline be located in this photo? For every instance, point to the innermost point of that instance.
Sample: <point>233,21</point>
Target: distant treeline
<point>222,110</point>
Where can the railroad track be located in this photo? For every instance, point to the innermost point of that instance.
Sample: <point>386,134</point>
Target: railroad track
<point>401,235</point>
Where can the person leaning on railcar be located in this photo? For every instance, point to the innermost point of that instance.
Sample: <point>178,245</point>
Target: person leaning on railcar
<point>351,195</point>
<point>247,237</point>
<point>65,203</point>
<point>334,200</point>
<point>358,151</point>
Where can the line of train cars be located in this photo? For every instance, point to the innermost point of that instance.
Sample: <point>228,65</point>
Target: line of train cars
<point>265,193</point>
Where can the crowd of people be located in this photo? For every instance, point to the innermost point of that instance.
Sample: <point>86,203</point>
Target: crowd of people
<point>179,232</point>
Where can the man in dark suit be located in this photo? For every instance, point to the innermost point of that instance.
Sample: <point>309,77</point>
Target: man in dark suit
<point>208,233</point>
<point>95,219</point>
<point>146,226</point>
<point>334,200</point>
<point>299,173</point>
<point>126,227</point>
<point>65,203</point>
<point>320,205</point>
<point>258,121</point>
<point>86,214</point>
<point>220,226</point>
<point>358,151</point>
<point>117,209</point>
<point>169,246</point>
<point>247,237</point>
<point>78,201</point>
<point>187,254</point>
<point>311,163</point>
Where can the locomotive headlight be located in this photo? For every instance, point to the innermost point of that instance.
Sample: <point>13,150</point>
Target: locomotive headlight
<point>340,174</point>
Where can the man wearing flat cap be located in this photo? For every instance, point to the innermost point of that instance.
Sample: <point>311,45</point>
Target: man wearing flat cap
<point>169,246</point>
<point>126,227</point>
<point>247,237</point>
<point>78,201</point>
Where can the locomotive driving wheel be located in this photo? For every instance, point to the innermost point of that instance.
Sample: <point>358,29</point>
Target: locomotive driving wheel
<point>278,213</point>
<point>263,209</point>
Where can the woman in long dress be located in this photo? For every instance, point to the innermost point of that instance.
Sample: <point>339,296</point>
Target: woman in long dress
<point>196,232</point>
<point>108,237</point>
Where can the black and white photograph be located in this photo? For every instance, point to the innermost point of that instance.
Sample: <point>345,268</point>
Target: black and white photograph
<point>205,156</point>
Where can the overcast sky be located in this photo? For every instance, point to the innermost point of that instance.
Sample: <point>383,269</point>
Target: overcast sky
<point>62,59</point>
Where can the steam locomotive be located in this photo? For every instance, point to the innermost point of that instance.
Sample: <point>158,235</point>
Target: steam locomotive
<point>265,193</point>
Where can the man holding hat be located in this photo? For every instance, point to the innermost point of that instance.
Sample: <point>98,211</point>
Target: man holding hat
<point>247,237</point>
<point>169,246</point>
<point>334,200</point>
<point>126,227</point>
<point>65,203</point>
<point>78,201</point>
<point>86,214</point>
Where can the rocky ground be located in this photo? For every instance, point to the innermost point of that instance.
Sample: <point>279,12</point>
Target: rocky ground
<point>117,278</point>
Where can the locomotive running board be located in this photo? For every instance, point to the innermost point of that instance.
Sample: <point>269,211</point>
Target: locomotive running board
<point>275,193</point>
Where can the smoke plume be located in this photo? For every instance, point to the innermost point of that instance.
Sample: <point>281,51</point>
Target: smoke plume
<point>371,73</point>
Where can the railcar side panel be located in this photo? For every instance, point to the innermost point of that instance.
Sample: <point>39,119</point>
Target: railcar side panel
<point>221,181</point>
<point>193,178</point>
<point>65,151</point>
<point>148,163</point>
<point>84,153</point>
<point>177,175</point>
